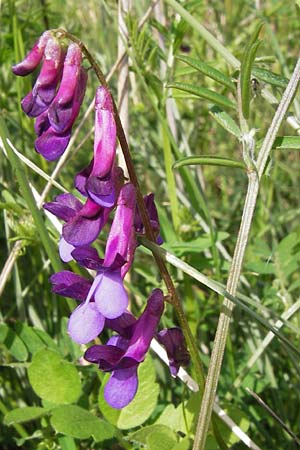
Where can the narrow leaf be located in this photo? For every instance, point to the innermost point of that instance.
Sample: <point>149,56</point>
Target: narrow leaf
<point>208,71</point>
<point>203,93</point>
<point>208,161</point>
<point>226,121</point>
<point>246,67</point>
<point>270,77</point>
<point>289,142</point>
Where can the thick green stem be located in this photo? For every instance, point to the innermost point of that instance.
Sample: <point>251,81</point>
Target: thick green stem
<point>237,261</point>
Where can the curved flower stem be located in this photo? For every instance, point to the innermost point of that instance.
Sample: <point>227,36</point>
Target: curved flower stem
<point>174,299</point>
<point>237,261</point>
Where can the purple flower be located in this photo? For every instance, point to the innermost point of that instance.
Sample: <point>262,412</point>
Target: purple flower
<point>83,222</point>
<point>107,290</point>
<point>153,216</point>
<point>65,107</point>
<point>69,284</point>
<point>99,184</point>
<point>33,57</point>
<point>173,341</point>
<point>122,356</point>
<point>57,95</point>
<point>54,129</point>
<point>43,92</point>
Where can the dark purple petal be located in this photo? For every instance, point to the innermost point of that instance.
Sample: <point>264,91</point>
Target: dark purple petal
<point>121,387</point>
<point>81,179</point>
<point>153,216</point>
<point>145,327</point>
<point>121,230</point>
<point>52,145</point>
<point>82,231</point>
<point>173,341</point>
<point>132,245</point>
<point>41,123</point>
<point>106,356</point>
<point>65,107</point>
<point>101,190</point>
<point>122,324</point>
<point>33,57</point>
<point>65,206</point>
<point>110,295</point>
<point>85,323</point>
<point>87,257</point>
<point>69,284</point>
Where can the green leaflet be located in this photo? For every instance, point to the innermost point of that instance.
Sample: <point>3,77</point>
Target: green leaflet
<point>208,160</point>
<point>226,121</point>
<point>246,68</point>
<point>270,77</point>
<point>208,71</point>
<point>207,94</point>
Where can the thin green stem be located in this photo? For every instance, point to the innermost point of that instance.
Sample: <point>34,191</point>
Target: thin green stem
<point>237,261</point>
<point>146,220</point>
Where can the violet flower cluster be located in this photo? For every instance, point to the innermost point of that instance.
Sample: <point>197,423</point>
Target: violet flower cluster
<point>55,101</point>
<point>57,94</point>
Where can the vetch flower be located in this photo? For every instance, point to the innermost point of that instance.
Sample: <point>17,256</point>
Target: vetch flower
<point>110,296</point>
<point>99,185</point>
<point>122,356</point>
<point>57,94</point>
<point>69,284</point>
<point>173,341</point>
<point>43,92</point>
<point>33,57</point>
<point>83,222</point>
<point>54,130</point>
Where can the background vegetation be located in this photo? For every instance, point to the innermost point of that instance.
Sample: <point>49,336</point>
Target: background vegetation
<point>200,210</point>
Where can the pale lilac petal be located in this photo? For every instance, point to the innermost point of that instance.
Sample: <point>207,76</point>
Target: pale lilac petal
<point>85,323</point>
<point>121,387</point>
<point>65,249</point>
<point>110,296</point>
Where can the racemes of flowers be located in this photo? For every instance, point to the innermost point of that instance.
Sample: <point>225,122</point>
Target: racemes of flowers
<point>54,102</point>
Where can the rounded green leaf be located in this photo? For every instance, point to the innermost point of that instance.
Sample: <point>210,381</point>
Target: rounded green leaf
<point>20,415</point>
<point>74,421</point>
<point>161,439</point>
<point>54,379</point>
